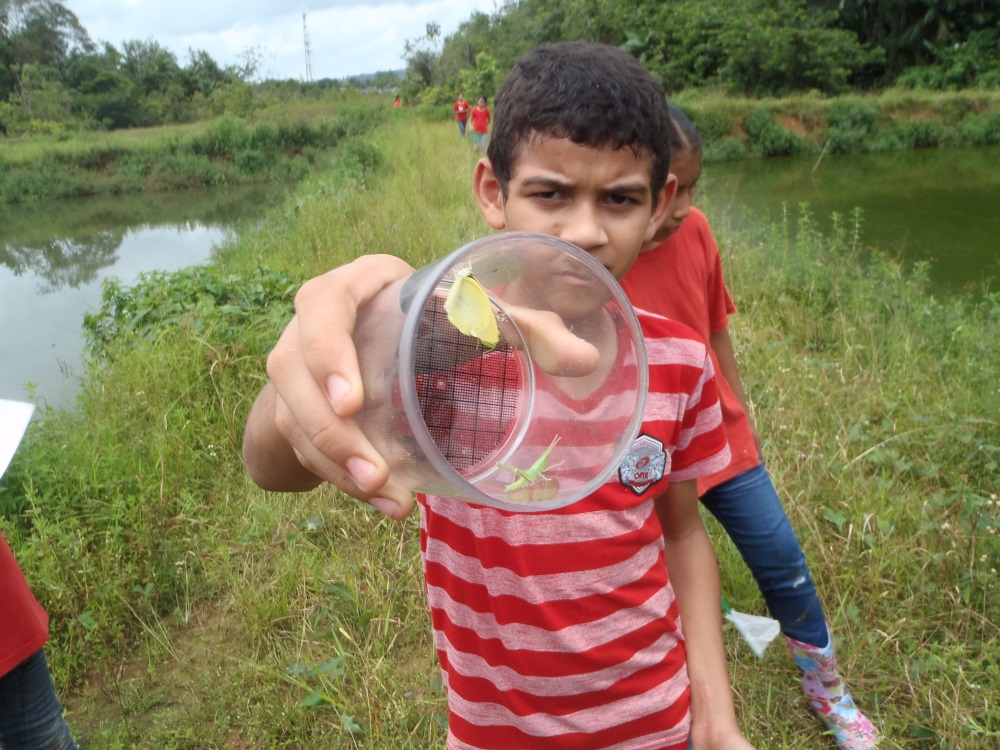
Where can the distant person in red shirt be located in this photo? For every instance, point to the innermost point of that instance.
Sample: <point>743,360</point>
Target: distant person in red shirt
<point>398,103</point>
<point>480,124</point>
<point>461,108</point>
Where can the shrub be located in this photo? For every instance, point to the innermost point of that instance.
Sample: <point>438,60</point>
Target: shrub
<point>251,161</point>
<point>765,137</point>
<point>981,129</point>
<point>726,149</point>
<point>713,125</point>
<point>851,115</point>
<point>906,133</point>
<point>850,125</point>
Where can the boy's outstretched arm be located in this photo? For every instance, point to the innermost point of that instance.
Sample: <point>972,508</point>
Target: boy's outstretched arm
<point>301,431</point>
<point>722,345</point>
<point>694,573</point>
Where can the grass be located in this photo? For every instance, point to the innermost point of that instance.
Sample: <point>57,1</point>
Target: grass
<point>22,150</point>
<point>192,610</point>
<point>225,151</point>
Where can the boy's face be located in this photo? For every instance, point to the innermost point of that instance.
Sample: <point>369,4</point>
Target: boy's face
<point>686,167</point>
<point>599,199</point>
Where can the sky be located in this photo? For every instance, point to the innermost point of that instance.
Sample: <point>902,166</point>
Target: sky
<point>346,37</point>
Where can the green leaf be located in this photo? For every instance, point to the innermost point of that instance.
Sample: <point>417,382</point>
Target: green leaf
<point>835,517</point>
<point>351,725</point>
<point>920,732</point>
<point>315,699</point>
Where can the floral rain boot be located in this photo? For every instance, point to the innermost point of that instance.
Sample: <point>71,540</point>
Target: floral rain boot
<point>829,697</point>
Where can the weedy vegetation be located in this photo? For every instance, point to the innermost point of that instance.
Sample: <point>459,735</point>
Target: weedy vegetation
<point>192,610</point>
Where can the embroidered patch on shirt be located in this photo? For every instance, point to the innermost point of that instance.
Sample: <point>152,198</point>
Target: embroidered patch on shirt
<point>643,465</point>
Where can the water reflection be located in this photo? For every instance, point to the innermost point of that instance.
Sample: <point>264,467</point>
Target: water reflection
<point>54,259</point>
<point>62,262</point>
<point>936,205</point>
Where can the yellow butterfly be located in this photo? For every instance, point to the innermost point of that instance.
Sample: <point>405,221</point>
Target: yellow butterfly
<point>469,308</point>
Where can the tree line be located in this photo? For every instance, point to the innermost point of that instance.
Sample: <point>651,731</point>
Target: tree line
<point>53,77</point>
<point>747,47</point>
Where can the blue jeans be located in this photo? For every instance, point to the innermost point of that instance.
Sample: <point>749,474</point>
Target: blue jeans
<point>30,714</point>
<point>750,511</point>
<point>461,127</point>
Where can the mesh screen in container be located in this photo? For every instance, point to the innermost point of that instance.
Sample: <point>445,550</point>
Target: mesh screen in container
<point>468,393</point>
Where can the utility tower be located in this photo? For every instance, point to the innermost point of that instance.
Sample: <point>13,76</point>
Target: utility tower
<point>309,64</point>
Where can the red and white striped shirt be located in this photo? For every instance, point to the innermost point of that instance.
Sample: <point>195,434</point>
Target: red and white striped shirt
<point>559,628</point>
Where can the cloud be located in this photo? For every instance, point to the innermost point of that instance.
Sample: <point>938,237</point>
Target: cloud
<point>346,37</point>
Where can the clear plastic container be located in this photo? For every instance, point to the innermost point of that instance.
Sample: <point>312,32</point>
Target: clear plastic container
<point>530,412</point>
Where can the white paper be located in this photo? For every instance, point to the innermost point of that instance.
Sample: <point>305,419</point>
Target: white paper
<point>14,418</point>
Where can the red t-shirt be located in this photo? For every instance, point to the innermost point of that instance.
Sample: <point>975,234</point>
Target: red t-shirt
<point>24,626</point>
<point>480,120</point>
<point>682,279</point>
<point>462,110</point>
<point>560,628</point>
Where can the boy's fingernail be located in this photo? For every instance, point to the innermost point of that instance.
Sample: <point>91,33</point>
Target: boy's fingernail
<point>336,388</point>
<point>360,469</point>
<point>384,505</point>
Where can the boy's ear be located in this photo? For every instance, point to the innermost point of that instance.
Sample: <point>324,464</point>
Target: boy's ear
<point>663,200</point>
<point>489,195</point>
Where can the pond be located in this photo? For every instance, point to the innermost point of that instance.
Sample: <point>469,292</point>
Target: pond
<point>54,258</point>
<point>940,206</point>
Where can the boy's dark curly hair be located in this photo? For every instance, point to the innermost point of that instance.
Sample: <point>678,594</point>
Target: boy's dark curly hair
<point>594,94</point>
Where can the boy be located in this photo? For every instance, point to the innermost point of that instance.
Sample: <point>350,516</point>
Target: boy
<point>559,628</point>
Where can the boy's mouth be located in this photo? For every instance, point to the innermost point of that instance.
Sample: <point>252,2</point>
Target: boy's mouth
<point>576,278</point>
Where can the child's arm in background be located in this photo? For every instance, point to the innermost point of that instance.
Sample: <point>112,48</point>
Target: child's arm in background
<point>722,345</point>
<point>694,573</point>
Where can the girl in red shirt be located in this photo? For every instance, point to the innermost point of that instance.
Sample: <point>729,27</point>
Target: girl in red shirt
<point>480,124</point>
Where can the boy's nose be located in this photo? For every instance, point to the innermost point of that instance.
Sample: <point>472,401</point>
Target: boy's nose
<point>585,230</point>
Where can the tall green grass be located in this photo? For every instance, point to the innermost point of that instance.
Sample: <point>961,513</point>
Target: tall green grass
<point>205,613</point>
<point>229,151</point>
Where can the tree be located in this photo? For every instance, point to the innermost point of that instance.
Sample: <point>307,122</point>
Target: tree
<point>149,66</point>
<point>483,80</point>
<point>103,95</point>
<point>204,73</point>
<point>422,55</point>
<point>914,32</point>
<point>38,33</point>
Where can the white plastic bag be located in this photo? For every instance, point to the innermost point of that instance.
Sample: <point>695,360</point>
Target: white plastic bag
<point>757,631</point>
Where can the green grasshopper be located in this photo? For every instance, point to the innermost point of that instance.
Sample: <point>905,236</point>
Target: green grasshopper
<point>533,473</point>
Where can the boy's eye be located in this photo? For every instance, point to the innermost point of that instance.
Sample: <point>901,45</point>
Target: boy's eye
<point>620,200</point>
<point>547,195</point>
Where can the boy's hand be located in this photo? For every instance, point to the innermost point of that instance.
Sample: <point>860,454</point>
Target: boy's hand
<point>301,430</point>
<point>316,390</point>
